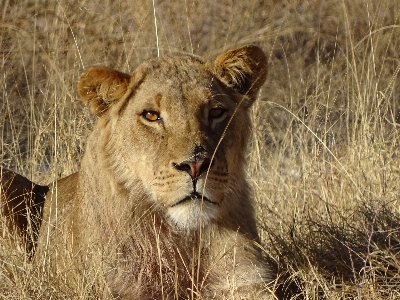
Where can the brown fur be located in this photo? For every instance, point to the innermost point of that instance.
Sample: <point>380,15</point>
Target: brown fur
<point>21,203</point>
<point>162,207</point>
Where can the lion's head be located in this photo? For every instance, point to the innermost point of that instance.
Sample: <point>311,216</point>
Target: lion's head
<point>176,130</point>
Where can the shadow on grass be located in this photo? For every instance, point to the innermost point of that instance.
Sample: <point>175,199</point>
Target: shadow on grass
<point>344,259</point>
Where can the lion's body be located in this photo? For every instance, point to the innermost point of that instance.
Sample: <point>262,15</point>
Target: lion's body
<point>160,203</point>
<point>21,203</point>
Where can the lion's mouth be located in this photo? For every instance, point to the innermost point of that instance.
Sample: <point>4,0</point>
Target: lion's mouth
<point>194,196</point>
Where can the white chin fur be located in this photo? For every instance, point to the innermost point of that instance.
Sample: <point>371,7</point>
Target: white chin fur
<point>192,215</point>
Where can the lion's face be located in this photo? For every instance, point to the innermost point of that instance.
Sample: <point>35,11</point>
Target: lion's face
<point>179,127</point>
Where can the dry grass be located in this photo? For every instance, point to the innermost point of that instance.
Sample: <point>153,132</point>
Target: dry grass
<point>324,161</point>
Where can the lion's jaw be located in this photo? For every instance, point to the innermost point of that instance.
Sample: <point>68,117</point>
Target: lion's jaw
<point>193,213</point>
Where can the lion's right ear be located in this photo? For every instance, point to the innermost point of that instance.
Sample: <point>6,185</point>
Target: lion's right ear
<point>100,87</point>
<point>244,69</point>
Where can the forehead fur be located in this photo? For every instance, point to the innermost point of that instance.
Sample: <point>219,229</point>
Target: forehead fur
<point>176,70</point>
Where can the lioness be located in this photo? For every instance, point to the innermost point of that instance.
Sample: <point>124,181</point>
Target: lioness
<point>160,204</point>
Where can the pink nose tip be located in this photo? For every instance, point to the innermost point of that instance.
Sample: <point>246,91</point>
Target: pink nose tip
<point>194,168</point>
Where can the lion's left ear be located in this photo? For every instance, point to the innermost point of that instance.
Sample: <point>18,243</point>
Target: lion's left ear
<point>99,87</point>
<point>244,69</point>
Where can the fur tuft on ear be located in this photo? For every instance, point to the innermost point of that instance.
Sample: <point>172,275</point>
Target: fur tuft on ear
<point>99,87</point>
<point>244,69</point>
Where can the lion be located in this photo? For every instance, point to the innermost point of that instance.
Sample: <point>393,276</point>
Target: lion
<point>21,203</point>
<point>160,203</point>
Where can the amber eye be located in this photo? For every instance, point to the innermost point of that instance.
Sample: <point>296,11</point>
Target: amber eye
<point>151,115</point>
<point>217,112</point>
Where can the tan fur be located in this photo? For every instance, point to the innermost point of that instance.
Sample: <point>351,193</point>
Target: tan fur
<point>162,207</point>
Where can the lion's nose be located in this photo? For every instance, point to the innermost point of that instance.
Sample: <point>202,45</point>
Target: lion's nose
<point>195,167</point>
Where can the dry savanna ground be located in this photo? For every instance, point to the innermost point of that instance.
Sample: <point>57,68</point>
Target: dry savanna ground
<point>324,161</point>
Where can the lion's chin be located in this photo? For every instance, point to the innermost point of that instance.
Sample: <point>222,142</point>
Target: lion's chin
<point>192,212</point>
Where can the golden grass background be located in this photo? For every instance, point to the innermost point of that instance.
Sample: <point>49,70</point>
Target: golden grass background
<point>324,161</point>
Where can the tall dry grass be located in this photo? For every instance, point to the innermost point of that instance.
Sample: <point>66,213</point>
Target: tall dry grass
<point>324,161</point>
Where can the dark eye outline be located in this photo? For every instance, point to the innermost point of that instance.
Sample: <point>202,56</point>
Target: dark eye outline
<point>222,112</point>
<point>145,114</point>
